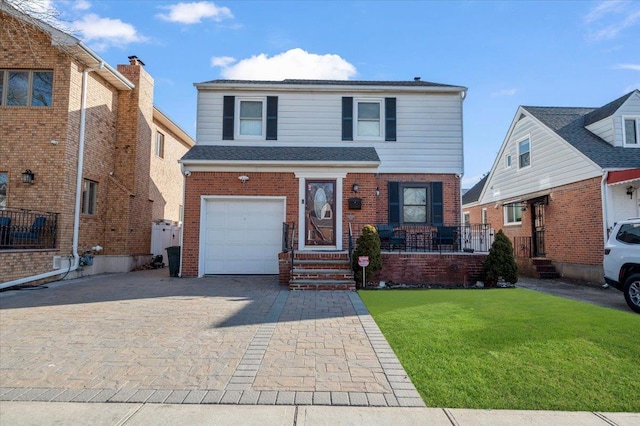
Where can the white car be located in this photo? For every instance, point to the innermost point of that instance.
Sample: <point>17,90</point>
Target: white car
<point>622,261</point>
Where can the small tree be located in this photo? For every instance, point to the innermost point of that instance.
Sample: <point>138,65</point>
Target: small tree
<point>367,244</point>
<point>500,262</point>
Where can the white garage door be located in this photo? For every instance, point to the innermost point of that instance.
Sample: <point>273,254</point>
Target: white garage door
<point>242,236</point>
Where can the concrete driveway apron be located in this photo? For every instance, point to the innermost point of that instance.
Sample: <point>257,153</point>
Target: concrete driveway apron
<point>145,337</point>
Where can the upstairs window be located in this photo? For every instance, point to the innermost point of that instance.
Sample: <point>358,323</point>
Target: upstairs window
<point>524,153</point>
<point>89,197</point>
<point>631,133</point>
<point>26,88</point>
<point>368,119</point>
<point>160,145</point>
<point>250,118</point>
<point>512,214</point>
<point>507,161</point>
<point>254,118</point>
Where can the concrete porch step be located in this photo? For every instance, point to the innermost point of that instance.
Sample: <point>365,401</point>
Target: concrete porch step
<point>324,284</point>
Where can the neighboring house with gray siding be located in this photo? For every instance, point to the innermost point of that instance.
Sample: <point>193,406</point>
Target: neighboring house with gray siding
<point>562,179</point>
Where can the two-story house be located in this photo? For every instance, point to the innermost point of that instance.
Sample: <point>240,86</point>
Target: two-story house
<point>562,178</point>
<point>86,159</point>
<point>322,157</point>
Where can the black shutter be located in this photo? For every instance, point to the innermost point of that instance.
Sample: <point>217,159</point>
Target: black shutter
<point>347,118</point>
<point>437,217</point>
<point>272,118</point>
<point>389,119</point>
<point>394,202</point>
<point>228,112</point>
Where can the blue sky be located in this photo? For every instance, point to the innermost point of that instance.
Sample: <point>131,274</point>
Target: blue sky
<point>543,53</point>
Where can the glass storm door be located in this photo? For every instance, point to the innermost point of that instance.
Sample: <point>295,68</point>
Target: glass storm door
<point>320,220</point>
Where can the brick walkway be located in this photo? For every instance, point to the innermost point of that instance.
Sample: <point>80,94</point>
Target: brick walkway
<point>145,337</point>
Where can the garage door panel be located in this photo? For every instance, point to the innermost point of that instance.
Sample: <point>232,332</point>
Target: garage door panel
<point>242,236</point>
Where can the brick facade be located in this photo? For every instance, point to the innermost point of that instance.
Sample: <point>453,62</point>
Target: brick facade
<point>117,156</point>
<point>574,239</point>
<point>374,207</point>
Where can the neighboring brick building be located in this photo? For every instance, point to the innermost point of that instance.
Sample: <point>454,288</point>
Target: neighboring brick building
<point>562,179</point>
<point>125,184</point>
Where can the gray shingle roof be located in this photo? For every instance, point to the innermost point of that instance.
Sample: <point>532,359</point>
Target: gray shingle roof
<point>299,82</point>
<point>605,111</point>
<point>283,154</point>
<point>473,195</point>
<point>569,124</point>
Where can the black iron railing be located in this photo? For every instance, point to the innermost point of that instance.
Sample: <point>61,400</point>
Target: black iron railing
<point>22,229</point>
<point>427,238</point>
<point>522,247</point>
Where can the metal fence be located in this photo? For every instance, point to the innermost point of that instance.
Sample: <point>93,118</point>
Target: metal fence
<point>522,247</point>
<point>425,238</point>
<point>22,229</point>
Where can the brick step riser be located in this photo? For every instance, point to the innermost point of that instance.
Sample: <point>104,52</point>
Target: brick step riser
<point>341,266</point>
<point>322,277</point>
<point>323,287</point>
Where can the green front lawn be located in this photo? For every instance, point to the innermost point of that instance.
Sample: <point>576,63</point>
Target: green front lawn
<point>512,349</point>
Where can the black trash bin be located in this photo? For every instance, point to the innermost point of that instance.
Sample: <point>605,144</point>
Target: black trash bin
<point>173,253</point>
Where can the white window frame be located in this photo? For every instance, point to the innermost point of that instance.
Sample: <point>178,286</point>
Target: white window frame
<point>519,142</point>
<point>517,208</point>
<point>90,202</point>
<point>484,216</point>
<point>381,120</point>
<point>238,119</point>
<point>507,161</point>
<point>466,218</point>
<point>624,133</point>
<point>159,144</point>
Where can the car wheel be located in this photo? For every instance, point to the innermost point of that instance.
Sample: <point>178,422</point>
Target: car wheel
<point>632,292</point>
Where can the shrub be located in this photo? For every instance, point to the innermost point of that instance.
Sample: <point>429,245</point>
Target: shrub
<point>367,244</point>
<point>500,262</point>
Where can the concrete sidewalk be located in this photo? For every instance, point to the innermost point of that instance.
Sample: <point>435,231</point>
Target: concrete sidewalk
<point>45,413</point>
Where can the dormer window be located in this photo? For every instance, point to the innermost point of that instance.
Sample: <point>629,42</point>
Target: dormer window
<point>631,131</point>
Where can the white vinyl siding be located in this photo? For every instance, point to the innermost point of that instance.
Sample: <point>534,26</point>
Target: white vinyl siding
<point>429,127</point>
<point>556,163</point>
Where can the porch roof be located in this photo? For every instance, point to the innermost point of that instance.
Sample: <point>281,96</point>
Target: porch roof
<point>211,154</point>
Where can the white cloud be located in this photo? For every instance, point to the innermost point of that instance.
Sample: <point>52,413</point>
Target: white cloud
<point>294,63</point>
<point>105,32</point>
<point>632,67</point>
<point>222,61</point>
<point>194,13</point>
<point>81,5</point>
<point>608,19</point>
<point>505,92</point>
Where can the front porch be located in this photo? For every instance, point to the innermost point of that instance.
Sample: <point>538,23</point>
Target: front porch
<point>449,256</point>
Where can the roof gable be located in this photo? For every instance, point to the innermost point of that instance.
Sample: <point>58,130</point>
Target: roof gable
<point>605,111</point>
<point>473,195</point>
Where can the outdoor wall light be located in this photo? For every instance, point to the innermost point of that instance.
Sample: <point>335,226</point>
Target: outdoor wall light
<point>629,191</point>
<point>243,178</point>
<point>27,176</point>
<point>377,191</point>
<point>355,187</point>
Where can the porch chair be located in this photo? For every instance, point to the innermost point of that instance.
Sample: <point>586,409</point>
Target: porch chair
<point>5,231</point>
<point>33,235</point>
<point>392,238</point>
<point>446,236</point>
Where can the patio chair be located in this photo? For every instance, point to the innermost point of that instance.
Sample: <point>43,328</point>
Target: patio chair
<point>446,236</point>
<point>392,238</point>
<point>33,235</point>
<point>5,231</point>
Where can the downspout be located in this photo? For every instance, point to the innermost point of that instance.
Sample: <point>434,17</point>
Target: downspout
<point>604,190</point>
<point>76,219</point>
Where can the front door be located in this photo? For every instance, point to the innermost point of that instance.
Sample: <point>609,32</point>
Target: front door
<point>538,229</point>
<point>320,209</point>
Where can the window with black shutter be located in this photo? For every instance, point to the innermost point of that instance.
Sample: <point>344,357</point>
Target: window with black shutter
<point>347,118</point>
<point>272,118</point>
<point>415,202</point>
<point>228,117</point>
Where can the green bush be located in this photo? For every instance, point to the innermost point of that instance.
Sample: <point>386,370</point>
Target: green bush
<point>367,244</point>
<point>500,262</point>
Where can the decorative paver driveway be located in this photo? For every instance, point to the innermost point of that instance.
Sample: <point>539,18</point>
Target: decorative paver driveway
<point>145,337</point>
